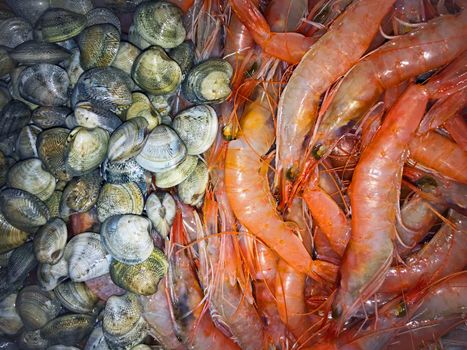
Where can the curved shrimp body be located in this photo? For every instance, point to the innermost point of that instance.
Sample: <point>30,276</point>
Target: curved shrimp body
<point>457,129</point>
<point>431,46</point>
<point>440,154</point>
<point>374,195</point>
<point>329,58</point>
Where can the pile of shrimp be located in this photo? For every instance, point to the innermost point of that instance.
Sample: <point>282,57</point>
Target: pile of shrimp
<point>336,213</point>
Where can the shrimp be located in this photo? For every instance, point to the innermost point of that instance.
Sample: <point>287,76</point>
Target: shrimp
<point>457,129</point>
<point>374,196</point>
<point>434,44</point>
<point>332,55</point>
<point>183,4</point>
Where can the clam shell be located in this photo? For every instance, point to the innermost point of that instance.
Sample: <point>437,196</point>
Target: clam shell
<point>10,236</point>
<point>126,171</point>
<point>76,297</point>
<point>86,149</point>
<point>128,139</point>
<point>99,45</point>
<point>163,150</point>
<point>32,340</point>
<point>7,146</point>
<point>79,6</point>
<point>14,31</point>
<point>141,107</point>
<point>53,203</point>
<point>163,105</point>
<point>10,321</point>
<point>160,23</point>
<point>74,68</point>
<point>191,191</point>
<point>62,347</point>
<point>126,56</point>
<point>174,176</point>
<point>20,263</point>
<point>14,86</point>
<point>50,117</point>
<point>15,115</point>
<point>50,276</point>
<point>50,241</point>
<point>127,238</point>
<point>184,55</point>
<point>57,24</point>
<point>6,62</point>
<point>68,329</point>
<point>27,141</point>
<point>141,278</point>
<point>86,257</point>
<point>101,15</point>
<point>96,340</point>
<point>161,209</point>
<point>23,210</point>
<point>136,39</point>
<point>29,175</point>
<point>197,127</point>
<point>117,199</point>
<point>44,84</point>
<point>29,9</point>
<point>51,146</point>
<point>5,96</point>
<point>33,52</point>
<point>5,164</point>
<point>92,117</point>
<point>156,72</point>
<point>36,307</point>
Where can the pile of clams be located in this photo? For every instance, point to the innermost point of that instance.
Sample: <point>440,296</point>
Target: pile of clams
<point>95,152</point>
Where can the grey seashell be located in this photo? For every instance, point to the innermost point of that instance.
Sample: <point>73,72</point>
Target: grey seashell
<point>15,115</point>
<point>79,6</point>
<point>27,141</point>
<point>14,31</point>
<point>13,86</point>
<point>7,146</point>
<point>29,175</point>
<point>21,262</point>
<point>50,276</point>
<point>191,191</point>
<point>10,321</point>
<point>68,329</point>
<point>7,64</point>
<point>163,150</point>
<point>101,15</point>
<point>92,117</point>
<point>36,307</point>
<point>5,96</point>
<point>5,164</point>
<point>96,340</point>
<point>142,107</point>
<point>53,203</point>
<point>99,45</point>
<point>126,171</point>
<point>50,117</point>
<point>136,39</point>
<point>184,55</point>
<point>161,209</point>
<point>51,146</point>
<point>117,199</point>
<point>29,9</point>
<point>57,24</point>
<point>126,56</point>
<point>128,140</point>
<point>10,236</point>
<point>4,258</point>
<point>50,241</point>
<point>34,52</point>
<point>86,257</point>
<point>32,340</point>
<point>74,69</point>
<point>163,105</point>
<point>76,297</point>
<point>174,176</point>
<point>127,238</point>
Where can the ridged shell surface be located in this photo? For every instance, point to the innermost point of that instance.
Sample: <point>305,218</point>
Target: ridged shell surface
<point>14,31</point>
<point>57,24</point>
<point>174,176</point>
<point>50,241</point>
<point>126,141</point>
<point>126,56</point>
<point>102,15</point>
<point>99,45</point>
<point>91,117</point>
<point>33,52</point>
<point>15,115</point>
<point>191,191</point>
<point>117,199</point>
<point>10,321</point>
<point>68,329</point>
<point>51,146</point>
<point>76,297</point>
<point>10,236</point>
<point>26,143</point>
<point>50,117</point>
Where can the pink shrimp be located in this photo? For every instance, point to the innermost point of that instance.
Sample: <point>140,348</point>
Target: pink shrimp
<point>457,129</point>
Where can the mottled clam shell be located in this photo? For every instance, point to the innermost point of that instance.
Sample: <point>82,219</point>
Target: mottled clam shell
<point>136,39</point>
<point>99,45</point>
<point>163,150</point>
<point>141,278</point>
<point>128,139</point>
<point>26,143</point>
<point>53,203</point>
<point>23,210</point>
<point>57,24</point>
<point>174,176</point>
<point>91,117</point>
<point>163,105</point>
<point>104,287</point>
<point>76,297</point>
<point>79,6</point>
<point>86,149</point>
<point>126,171</point>
<point>96,340</point>
<point>141,107</point>
<point>208,82</point>
<point>68,329</point>
<point>50,276</point>
<point>50,117</point>
<point>10,321</point>
<point>117,199</point>
<point>44,84</point>
<point>156,72</point>
<point>51,146</point>
<point>36,307</point>
<point>34,52</point>
<point>14,31</point>
<point>127,238</point>
<point>191,191</point>
<point>184,55</point>
<point>126,56</point>
<point>197,127</point>
<point>15,115</point>
<point>29,9</point>
<point>7,64</point>
<point>101,15</point>
<point>86,257</point>
<point>32,340</point>
<point>20,263</point>
<point>160,23</point>
<point>161,209</point>
<point>14,86</point>
<point>10,236</point>
<point>29,175</point>
<point>50,241</point>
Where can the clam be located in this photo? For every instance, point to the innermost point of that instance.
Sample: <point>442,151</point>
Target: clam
<point>86,149</point>
<point>156,72</point>
<point>32,340</point>
<point>128,139</point>
<point>36,307</point>
<point>7,146</point>
<point>5,96</point>
<point>86,257</point>
<point>79,6</point>
<point>26,143</point>
<point>50,276</point>
<point>10,236</point>
<point>197,127</point>
<point>191,191</point>
<point>136,39</point>
<point>29,175</point>
<point>184,55</point>
<point>163,150</point>
<point>141,347</point>
<point>117,199</point>
<point>74,68</point>
<point>126,238</point>
<point>96,340</point>
<point>162,104</point>
<point>57,24</point>
<point>15,115</point>
<point>50,241</point>
<point>51,146</point>
<point>68,329</point>
<point>6,62</point>
<point>126,171</point>
<point>23,210</point>
<point>141,278</point>
<point>50,117</point>
<point>99,45</point>
<point>76,297</point>
<point>44,84</point>
<point>15,74</point>
<point>10,321</point>
<point>90,117</point>
<point>208,82</point>
<point>29,9</point>
<point>5,164</point>
<point>4,259</point>
<point>142,107</point>
<point>160,23</point>
<point>14,31</point>
<point>122,323</point>
<point>161,209</point>
<point>53,203</point>
<point>34,52</point>
<point>102,15</point>
<point>126,56</point>
<point>174,176</point>
<point>20,263</point>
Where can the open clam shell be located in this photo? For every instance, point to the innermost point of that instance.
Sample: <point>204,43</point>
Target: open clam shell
<point>117,199</point>
<point>161,209</point>
<point>50,241</point>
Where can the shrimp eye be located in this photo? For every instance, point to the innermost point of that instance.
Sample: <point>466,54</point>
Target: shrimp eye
<point>292,173</point>
<point>318,151</point>
<point>336,312</point>
<point>401,310</point>
<point>254,67</point>
<point>427,184</point>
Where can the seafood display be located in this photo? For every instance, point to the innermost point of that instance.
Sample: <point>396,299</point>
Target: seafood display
<point>233,174</point>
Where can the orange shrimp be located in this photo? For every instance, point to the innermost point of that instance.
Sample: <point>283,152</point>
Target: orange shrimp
<point>374,196</point>
<point>285,15</point>
<point>436,152</point>
<point>183,4</point>
<point>332,55</point>
<point>457,129</point>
